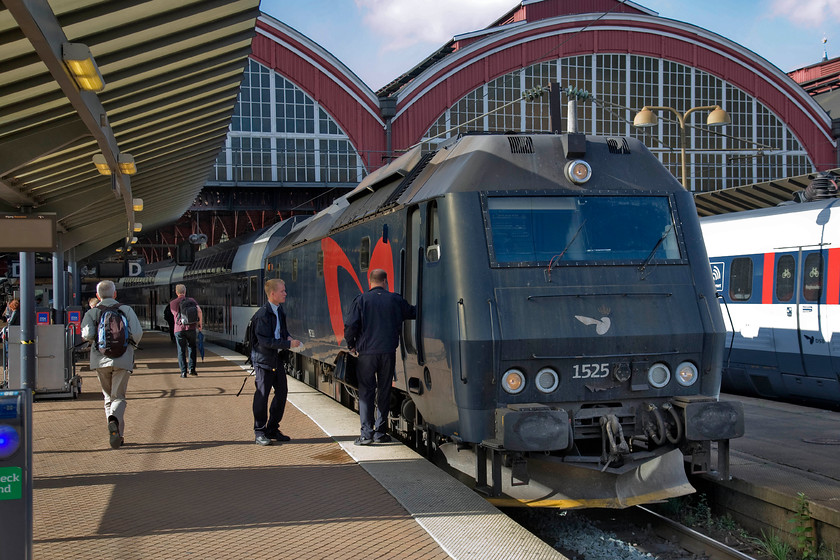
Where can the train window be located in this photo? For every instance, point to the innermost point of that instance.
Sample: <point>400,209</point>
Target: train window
<point>740,279</point>
<point>812,277</point>
<point>253,291</point>
<point>785,277</point>
<point>364,253</point>
<point>320,263</point>
<point>527,231</point>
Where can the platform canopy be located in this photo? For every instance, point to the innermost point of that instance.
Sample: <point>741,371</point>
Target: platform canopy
<point>171,73</point>
<point>753,196</point>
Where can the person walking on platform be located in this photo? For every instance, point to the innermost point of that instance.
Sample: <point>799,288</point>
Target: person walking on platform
<point>113,360</point>
<point>270,345</point>
<point>189,320</point>
<point>372,330</point>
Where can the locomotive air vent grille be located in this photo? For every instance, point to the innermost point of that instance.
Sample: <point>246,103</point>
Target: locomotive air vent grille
<point>521,144</point>
<point>618,145</point>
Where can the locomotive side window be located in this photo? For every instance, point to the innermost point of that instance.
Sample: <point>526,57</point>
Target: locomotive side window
<point>785,277</point>
<point>812,277</point>
<point>432,233</point>
<point>364,254</point>
<point>740,279</point>
<point>536,230</point>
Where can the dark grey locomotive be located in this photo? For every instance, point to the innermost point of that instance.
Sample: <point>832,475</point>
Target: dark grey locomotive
<point>567,350</point>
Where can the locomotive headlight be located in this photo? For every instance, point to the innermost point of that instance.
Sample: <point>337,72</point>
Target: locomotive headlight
<point>659,375</point>
<point>578,171</point>
<point>513,381</point>
<point>686,374</point>
<point>547,380</point>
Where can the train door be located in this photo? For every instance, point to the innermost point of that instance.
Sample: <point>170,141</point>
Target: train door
<point>412,274</point>
<point>785,315</point>
<point>816,356</point>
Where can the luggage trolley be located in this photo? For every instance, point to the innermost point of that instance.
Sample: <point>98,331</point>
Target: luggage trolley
<point>54,356</point>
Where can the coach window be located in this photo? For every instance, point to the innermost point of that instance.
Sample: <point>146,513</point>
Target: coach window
<point>253,291</point>
<point>740,279</point>
<point>785,275</point>
<point>364,254</point>
<point>812,277</point>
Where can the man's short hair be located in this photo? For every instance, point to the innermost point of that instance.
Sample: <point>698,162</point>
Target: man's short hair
<point>106,289</point>
<point>378,276</point>
<point>272,284</point>
<point>180,289</point>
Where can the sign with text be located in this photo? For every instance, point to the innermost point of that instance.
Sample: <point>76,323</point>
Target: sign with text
<point>11,483</point>
<point>28,233</point>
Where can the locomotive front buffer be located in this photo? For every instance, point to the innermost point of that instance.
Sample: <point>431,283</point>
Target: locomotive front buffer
<point>535,460</point>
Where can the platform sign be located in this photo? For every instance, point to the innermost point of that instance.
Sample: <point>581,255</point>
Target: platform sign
<point>28,232</point>
<point>42,317</point>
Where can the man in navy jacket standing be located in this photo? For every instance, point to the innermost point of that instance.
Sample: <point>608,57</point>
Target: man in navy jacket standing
<point>269,352</point>
<point>372,328</point>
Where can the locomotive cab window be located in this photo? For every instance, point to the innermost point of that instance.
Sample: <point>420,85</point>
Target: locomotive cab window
<point>364,253</point>
<point>812,277</point>
<point>740,279</point>
<point>785,277</point>
<point>537,230</point>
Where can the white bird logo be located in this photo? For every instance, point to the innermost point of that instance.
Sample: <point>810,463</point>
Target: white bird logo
<point>601,327</point>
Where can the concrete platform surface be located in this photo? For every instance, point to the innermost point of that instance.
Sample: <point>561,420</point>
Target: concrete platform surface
<point>190,482</point>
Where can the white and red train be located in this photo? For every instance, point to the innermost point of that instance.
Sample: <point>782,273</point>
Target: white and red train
<point>777,271</point>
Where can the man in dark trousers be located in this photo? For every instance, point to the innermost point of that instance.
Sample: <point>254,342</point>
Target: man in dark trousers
<point>372,329</point>
<point>270,343</point>
<point>187,325</point>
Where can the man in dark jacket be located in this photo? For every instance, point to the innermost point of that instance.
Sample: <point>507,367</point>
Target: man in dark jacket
<point>372,328</point>
<point>269,352</point>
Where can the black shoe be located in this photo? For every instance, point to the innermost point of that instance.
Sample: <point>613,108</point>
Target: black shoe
<point>114,430</point>
<point>184,375</point>
<point>193,373</point>
<point>362,441</point>
<point>279,436</point>
<point>262,440</point>
<point>384,438</point>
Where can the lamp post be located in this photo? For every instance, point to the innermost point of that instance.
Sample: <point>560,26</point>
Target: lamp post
<point>646,119</point>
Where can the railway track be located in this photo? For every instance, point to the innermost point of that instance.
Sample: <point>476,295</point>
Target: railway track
<point>632,534</point>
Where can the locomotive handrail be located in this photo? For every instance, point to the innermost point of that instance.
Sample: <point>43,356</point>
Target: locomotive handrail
<point>625,294</point>
<point>461,320</point>
<point>493,345</point>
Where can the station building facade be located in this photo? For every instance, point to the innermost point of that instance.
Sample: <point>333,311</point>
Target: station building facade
<point>305,121</point>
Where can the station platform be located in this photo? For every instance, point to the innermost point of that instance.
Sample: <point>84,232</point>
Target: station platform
<point>189,481</point>
<point>786,450</point>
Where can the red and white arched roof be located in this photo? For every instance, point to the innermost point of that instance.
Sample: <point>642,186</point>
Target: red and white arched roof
<point>347,99</point>
<point>522,43</point>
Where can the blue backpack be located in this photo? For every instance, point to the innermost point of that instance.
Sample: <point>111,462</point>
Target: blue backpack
<point>112,334</point>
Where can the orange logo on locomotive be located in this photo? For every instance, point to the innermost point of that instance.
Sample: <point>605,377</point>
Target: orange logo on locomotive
<point>335,258</point>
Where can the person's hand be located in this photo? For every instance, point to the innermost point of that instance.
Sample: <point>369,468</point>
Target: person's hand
<point>296,343</point>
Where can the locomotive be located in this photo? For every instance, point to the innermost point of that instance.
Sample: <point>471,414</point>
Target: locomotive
<point>567,348</point>
<point>778,275</point>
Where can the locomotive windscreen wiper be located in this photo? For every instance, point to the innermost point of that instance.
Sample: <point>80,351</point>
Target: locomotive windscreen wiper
<point>656,247</point>
<point>555,260</point>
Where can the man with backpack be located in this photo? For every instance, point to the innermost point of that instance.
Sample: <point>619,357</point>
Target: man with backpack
<point>189,321</point>
<point>114,331</point>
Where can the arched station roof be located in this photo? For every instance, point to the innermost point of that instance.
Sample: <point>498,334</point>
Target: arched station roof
<point>348,100</point>
<point>172,72</point>
<point>528,36</point>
